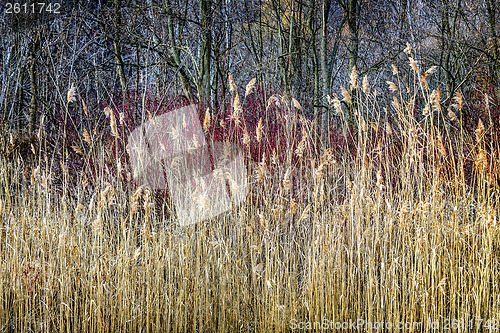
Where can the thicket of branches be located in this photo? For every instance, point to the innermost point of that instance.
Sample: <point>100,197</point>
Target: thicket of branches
<point>126,49</point>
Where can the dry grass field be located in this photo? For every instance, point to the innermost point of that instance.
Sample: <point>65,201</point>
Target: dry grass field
<point>399,224</point>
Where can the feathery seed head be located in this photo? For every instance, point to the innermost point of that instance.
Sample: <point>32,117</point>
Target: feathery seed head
<point>354,78</point>
<point>107,111</point>
<point>407,50</point>
<point>337,105</point>
<point>392,86</point>
<point>458,101</point>
<point>235,115</point>
<point>347,96</point>
<point>250,87</point>
<point>366,86</point>
<point>86,136</point>
<point>206,121</point>
<point>258,130</point>
<point>296,104</point>
<point>232,86</point>
<point>414,65</point>
<point>479,131</point>
<point>85,108</point>
<point>481,162</point>
<point>394,70</point>
<point>112,122</point>
<point>72,94</point>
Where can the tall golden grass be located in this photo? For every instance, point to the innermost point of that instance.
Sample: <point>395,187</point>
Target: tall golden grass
<point>385,234</point>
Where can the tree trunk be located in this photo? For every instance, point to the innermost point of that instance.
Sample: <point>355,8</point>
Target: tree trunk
<point>325,72</point>
<point>185,82</point>
<point>353,41</point>
<point>448,33</point>
<point>314,59</point>
<point>117,49</point>
<point>290,47</point>
<point>34,90</point>
<point>491,6</point>
<point>352,51</point>
<point>281,41</point>
<point>204,89</point>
